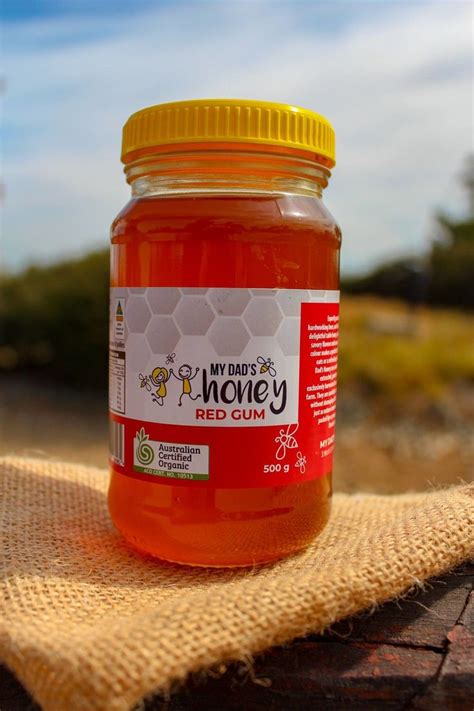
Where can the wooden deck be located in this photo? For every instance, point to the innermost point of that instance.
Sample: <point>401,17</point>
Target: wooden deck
<point>415,655</point>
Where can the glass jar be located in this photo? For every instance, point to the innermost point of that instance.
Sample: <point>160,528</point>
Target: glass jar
<point>223,332</point>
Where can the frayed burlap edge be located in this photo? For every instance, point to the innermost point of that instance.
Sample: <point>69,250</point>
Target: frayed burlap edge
<point>219,617</point>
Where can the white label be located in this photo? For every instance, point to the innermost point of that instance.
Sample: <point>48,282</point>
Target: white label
<point>209,357</point>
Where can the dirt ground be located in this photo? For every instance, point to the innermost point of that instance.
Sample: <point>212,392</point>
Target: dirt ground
<point>376,450</point>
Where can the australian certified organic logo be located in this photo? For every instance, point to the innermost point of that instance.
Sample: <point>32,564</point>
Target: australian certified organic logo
<point>144,452</point>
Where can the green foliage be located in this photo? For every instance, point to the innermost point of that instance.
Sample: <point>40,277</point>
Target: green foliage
<point>392,352</point>
<point>389,280</point>
<point>452,274</point>
<point>452,264</point>
<point>456,233</point>
<point>445,277</point>
<point>55,319</point>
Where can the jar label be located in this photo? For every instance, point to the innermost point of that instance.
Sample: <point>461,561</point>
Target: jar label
<point>228,387</point>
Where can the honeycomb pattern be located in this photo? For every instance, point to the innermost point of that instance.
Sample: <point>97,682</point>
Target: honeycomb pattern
<point>162,334</point>
<point>228,321</point>
<point>229,302</point>
<point>288,336</point>
<point>263,316</point>
<point>137,314</point>
<point>194,315</point>
<point>290,300</point>
<point>139,351</point>
<point>163,301</point>
<point>228,336</point>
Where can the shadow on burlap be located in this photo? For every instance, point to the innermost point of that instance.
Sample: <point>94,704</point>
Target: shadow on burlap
<point>85,623</point>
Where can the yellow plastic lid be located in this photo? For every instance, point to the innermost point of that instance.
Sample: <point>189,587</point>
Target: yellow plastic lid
<point>228,121</point>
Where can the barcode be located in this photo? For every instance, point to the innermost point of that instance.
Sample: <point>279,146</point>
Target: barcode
<point>117,435</point>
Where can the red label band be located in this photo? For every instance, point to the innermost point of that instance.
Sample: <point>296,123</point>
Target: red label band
<point>245,456</point>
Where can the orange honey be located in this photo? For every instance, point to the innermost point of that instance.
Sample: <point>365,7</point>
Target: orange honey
<point>229,229</point>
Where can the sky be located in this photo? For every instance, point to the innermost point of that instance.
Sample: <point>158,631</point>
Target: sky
<point>394,78</point>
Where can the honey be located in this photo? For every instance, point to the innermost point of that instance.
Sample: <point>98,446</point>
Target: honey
<point>223,337</point>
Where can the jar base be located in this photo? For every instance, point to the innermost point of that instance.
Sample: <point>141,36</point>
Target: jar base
<point>257,561</point>
<point>218,528</point>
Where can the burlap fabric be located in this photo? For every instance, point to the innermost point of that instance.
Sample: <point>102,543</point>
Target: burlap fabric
<point>85,623</point>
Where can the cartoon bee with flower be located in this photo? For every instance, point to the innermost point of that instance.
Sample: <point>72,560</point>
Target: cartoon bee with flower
<point>301,462</point>
<point>145,382</point>
<point>286,440</point>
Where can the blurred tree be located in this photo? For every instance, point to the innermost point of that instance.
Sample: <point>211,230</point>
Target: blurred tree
<point>468,180</point>
<point>443,277</point>
<point>452,254</point>
<point>56,318</point>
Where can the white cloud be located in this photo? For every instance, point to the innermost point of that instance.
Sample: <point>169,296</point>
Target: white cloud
<point>397,87</point>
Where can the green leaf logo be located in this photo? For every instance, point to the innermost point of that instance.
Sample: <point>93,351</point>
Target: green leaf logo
<point>144,452</point>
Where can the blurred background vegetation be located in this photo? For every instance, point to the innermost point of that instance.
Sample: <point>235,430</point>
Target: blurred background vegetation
<point>53,320</point>
<point>396,80</point>
<point>406,364</point>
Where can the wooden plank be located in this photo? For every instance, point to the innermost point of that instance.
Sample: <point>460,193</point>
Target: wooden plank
<point>454,688</point>
<point>13,696</point>
<point>416,654</point>
<point>308,676</point>
<point>422,619</point>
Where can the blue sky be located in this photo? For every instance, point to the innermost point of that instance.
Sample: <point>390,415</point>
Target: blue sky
<point>393,77</point>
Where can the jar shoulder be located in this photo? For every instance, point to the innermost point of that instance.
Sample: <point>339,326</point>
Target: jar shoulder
<point>154,217</point>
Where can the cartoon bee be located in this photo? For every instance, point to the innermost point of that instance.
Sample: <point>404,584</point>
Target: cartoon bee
<point>145,382</point>
<point>286,440</point>
<point>266,366</point>
<point>300,462</point>
<point>170,358</point>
